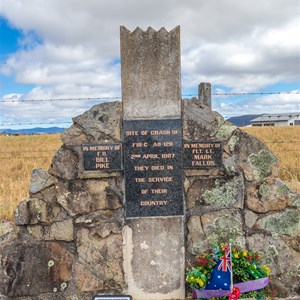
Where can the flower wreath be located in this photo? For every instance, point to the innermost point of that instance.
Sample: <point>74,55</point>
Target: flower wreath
<point>250,275</point>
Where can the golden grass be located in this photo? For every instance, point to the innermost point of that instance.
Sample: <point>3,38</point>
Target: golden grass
<point>284,142</point>
<point>19,155</point>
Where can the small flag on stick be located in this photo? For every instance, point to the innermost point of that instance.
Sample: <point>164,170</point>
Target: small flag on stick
<point>221,277</point>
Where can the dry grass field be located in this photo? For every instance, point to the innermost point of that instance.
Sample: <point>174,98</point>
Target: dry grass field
<point>284,142</point>
<point>19,155</point>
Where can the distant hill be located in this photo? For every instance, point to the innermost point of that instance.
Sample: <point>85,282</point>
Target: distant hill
<point>242,120</point>
<point>36,130</point>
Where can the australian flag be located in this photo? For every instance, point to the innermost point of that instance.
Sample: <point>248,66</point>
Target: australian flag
<point>221,276</point>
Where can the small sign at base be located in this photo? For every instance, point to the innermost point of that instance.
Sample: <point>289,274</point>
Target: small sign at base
<point>112,298</point>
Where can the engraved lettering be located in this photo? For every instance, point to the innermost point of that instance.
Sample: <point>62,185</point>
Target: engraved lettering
<point>139,145</point>
<point>157,168</point>
<point>152,156</point>
<point>102,166</point>
<point>102,156</point>
<point>203,156</point>
<point>160,179</point>
<point>168,155</point>
<point>154,203</point>
<point>141,168</point>
<point>102,159</point>
<point>160,132</point>
<point>140,179</point>
<point>159,191</point>
<point>131,133</point>
<point>197,151</point>
<point>203,163</point>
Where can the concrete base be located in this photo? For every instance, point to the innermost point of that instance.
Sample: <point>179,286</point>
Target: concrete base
<point>154,258</point>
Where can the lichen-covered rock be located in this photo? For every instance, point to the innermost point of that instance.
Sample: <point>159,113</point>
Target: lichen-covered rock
<point>29,267</point>
<point>226,225</point>
<point>231,165</point>
<point>68,243</point>
<point>196,189</point>
<point>279,257</point>
<point>260,165</point>
<point>282,223</point>
<point>226,193</point>
<point>225,131</point>
<point>275,194</point>
<point>232,143</point>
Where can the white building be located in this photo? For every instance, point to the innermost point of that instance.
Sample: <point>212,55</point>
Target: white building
<point>285,119</point>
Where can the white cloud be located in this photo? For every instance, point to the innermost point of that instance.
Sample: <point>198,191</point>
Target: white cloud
<point>289,102</point>
<point>245,45</point>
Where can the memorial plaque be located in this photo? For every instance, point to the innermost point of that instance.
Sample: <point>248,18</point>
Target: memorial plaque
<point>153,167</point>
<point>105,157</point>
<point>202,155</point>
<point>112,298</point>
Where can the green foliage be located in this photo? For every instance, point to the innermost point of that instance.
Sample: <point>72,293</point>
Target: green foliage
<point>247,265</point>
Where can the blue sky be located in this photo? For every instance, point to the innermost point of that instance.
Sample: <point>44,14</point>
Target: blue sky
<point>70,48</point>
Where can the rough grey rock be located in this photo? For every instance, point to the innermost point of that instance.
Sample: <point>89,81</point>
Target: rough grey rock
<point>197,189</point>
<point>226,225</point>
<point>82,197</point>
<point>226,193</point>
<point>34,211</point>
<point>40,180</point>
<point>99,124</point>
<point>281,223</point>
<point>279,257</point>
<point>250,218</point>
<point>99,261</point>
<point>198,123</point>
<point>61,231</point>
<point>64,164</point>
<point>76,219</point>
<point>196,236</point>
<point>29,267</point>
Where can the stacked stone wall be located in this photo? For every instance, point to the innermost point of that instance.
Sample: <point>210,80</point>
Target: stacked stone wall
<point>68,238</point>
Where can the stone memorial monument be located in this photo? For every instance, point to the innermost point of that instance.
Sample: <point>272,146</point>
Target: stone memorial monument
<point>139,186</point>
<point>152,135</point>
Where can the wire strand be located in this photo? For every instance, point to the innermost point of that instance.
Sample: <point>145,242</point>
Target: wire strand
<point>36,123</point>
<point>119,97</point>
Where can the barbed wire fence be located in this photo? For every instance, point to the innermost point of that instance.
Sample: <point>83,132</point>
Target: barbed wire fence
<point>7,155</point>
<point>111,98</point>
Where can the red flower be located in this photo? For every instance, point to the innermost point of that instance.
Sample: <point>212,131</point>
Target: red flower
<point>203,261</point>
<point>225,248</point>
<point>235,294</point>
